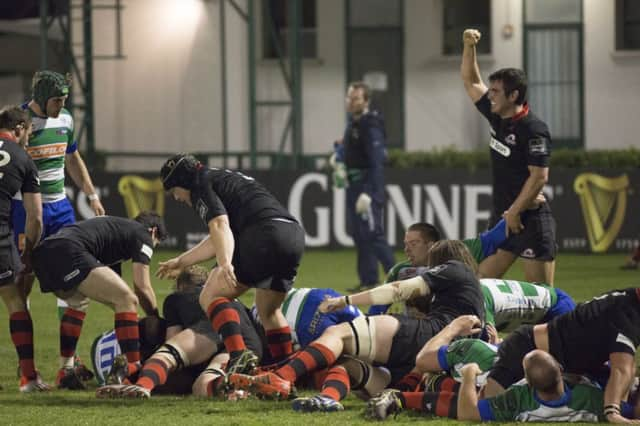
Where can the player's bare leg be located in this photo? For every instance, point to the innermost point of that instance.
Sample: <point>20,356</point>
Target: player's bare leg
<point>537,271</point>
<point>497,265</point>
<point>215,299</point>
<point>277,329</point>
<point>105,286</point>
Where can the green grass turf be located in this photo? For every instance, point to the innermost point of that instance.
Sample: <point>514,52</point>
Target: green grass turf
<point>581,275</point>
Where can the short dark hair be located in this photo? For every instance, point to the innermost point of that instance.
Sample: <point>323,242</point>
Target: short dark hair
<point>428,231</point>
<point>153,220</point>
<point>12,116</point>
<point>445,250</point>
<point>366,90</point>
<point>179,170</point>
<point>512,79</point>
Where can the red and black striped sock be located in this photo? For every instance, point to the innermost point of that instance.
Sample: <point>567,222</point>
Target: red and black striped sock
<point>70,328</point>
<point>280,343</point>
<point>21,329</point>
<point>442,404</point>
<point>128,336</point>
<point>314,357</point>
<point>444,383</point>
<point>408,383</point>
<point>226,321</point>
<point>336,385</point>
<point>154,373</point>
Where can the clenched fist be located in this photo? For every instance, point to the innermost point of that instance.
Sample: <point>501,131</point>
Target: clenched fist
<point>471,37</point>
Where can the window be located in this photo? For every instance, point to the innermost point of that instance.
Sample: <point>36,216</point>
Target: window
<point>275,28</point>
<point>627,25</point>
<point>460,15</point>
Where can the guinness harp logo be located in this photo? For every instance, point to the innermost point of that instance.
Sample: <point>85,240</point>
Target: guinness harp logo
<point>140,194</point>
<point>604,203</point>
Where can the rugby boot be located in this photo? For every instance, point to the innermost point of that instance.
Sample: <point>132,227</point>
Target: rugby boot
<point>69,379</point>
<point>380,407</point>
<point>265,385</point>
<point>316,403</point>
<point>34,384</point>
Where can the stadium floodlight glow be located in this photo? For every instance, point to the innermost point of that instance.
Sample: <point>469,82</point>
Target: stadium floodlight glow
<point>180,15</point>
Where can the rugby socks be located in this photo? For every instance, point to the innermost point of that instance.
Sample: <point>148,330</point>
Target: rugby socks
<point>442,404</point>
<point>70,328</point>
<point>154,373</point>
<point>336,383</point>
<point>409,382</point>
<point>314,357</point>
<point>226,321</point>
<point>128,337</point>
<point>280,343</point>
<point>443,383</point>
<point>21,328</point>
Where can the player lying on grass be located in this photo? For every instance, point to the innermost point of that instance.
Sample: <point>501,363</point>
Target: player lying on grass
<point>393,341</point>
<point>508,303</point>
<point>77,264</point>
<point>190,341</point>
<point>545,395</point>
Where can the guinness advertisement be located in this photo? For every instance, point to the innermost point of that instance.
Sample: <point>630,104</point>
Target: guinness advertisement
<point>596,211</point>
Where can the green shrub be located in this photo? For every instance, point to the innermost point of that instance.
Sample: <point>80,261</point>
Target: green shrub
<point>479,159</point>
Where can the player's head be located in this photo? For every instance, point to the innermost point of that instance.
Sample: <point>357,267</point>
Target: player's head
<point>357,99</point>
<point>507,88</point>
<point>17,121</point>
<point>191,277</point>
<point>418,240</point>
<point>50,91</point>
<point>542,371</point>
<point>178,174</point>
<point>445,250</point>
<point>154,223</point>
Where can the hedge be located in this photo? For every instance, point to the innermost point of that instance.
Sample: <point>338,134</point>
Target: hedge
<point>472,160</point>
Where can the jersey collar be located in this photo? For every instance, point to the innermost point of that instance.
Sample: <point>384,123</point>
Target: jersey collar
<point>7,135</point>
<point>521,114</point>
<point>563,400</point>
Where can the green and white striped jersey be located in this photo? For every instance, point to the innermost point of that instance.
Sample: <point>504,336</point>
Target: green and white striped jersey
<point>48,147</point>
<point>509,304</point>
<point>580,403</point>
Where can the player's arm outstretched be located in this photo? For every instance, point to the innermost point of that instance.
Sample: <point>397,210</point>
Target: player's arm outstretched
<point>469,69</point>
<point>397,291</point>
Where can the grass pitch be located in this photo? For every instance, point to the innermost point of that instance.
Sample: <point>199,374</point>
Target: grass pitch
<point>581,276</point>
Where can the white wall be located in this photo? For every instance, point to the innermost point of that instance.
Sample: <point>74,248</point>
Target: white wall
<point>438,111</point>
<point>612,82</point>
<point>165,96</point>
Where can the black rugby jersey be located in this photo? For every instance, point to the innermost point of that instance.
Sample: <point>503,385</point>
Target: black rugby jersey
<point>17,173</point>
<point>581,340</point>
<point>456,291</point>
<point>516,143</point>
<point>182,308</point>
<point>111,239</point>
<point>221,191</point>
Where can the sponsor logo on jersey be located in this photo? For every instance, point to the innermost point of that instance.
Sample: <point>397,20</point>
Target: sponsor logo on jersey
<point>147,251</point>
<point>510,139</point>
<point>61,132</point>
<point>499,147</point>
<point>71,275</point>
<point>202,209</point>
<point>538,146</point>
<point>528,253</point>
<point>47,151</point>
